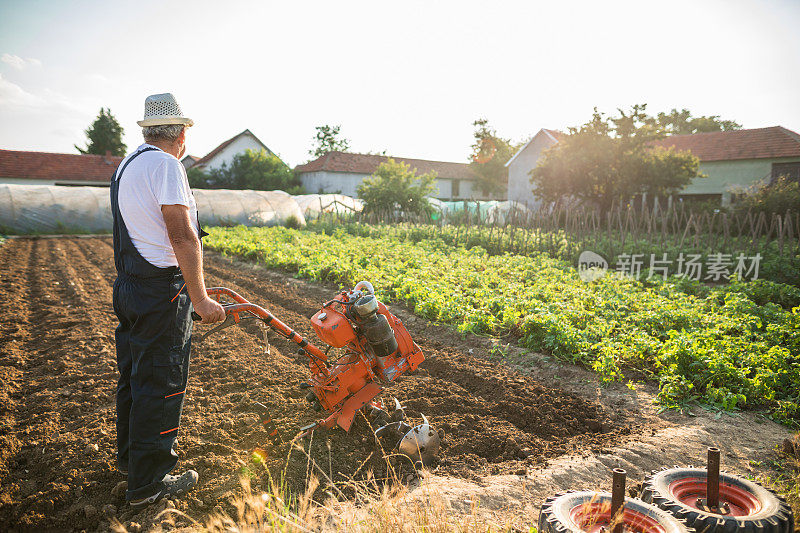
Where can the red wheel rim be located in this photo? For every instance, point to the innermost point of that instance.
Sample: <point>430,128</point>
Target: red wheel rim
<point>593,516</point>
<point>740,501</point>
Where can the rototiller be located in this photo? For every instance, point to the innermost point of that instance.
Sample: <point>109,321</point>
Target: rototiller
<point>377,348</point>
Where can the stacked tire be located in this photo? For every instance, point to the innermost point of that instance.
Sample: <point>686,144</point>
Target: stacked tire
<point>749,507</point>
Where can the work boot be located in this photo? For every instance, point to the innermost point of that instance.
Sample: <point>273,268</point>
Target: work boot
<point>173,486</point>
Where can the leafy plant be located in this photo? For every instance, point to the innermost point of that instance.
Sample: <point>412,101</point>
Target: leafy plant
<point>394,186</point>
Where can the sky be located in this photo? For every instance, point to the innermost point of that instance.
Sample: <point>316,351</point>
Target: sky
<point>405,77</point>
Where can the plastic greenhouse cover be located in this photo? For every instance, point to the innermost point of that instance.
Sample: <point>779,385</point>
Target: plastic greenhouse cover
<point>499,212</point>
<point>314,204</point>
<point>250,208</point>
<point>55,209</point>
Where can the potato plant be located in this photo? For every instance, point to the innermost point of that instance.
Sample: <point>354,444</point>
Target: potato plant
<point>729,346</point>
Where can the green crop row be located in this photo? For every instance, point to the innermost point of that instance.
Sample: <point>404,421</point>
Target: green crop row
<point>729,346</point>
<point>780,266</point>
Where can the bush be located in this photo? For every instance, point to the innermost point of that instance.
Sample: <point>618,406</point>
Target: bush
<point>251,170</point>
<point>780,196</point>
<point>292,222</point>
<point>394,186</point>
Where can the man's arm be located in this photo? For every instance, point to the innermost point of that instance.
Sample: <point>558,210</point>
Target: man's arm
<point>186,246</point>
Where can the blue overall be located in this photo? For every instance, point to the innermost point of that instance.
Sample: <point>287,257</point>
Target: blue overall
<point>153,342</point>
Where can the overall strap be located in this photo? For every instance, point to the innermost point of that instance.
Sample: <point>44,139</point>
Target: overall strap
<point>118,174</point>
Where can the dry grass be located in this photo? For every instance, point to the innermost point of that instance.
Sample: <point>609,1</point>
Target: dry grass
<point>389,510</point>
<point>791,467</point>
<point>373,510</point>
<point>787,481</point>
<point>370,506</point>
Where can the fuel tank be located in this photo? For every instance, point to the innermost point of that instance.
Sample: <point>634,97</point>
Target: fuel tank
<point>332,327</point>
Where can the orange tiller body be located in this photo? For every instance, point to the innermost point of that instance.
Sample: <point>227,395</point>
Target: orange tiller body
<point>347,384</point>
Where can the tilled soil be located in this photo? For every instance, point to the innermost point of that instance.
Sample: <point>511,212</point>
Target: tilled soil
<point>58,375</point>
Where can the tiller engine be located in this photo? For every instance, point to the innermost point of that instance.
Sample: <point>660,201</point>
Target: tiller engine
<point>377,349</point>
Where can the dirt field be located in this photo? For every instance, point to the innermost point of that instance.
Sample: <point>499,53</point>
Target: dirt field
<point>505,429</point>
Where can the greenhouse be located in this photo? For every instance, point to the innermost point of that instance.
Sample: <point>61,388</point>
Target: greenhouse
<point>59,209</point>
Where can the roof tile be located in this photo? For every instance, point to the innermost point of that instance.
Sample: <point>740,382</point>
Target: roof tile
<point>367,163</point>
<point>760,143</point>
<point>52,166</point>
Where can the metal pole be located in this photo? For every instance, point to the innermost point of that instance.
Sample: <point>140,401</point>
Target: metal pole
<point>712,479</point>
<point>617,499</point>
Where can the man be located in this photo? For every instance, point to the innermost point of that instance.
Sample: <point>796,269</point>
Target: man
<point>159,261</point>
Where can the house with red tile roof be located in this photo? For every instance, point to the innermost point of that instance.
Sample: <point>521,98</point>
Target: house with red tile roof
<point>731,160</point>
<point>734,160</point>
<point>342,172</point>
<point>225,152</point>
<point>45,168</point>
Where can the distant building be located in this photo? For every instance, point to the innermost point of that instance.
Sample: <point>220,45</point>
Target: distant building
<point>731,160</point>
<point>189,160</point>
<point>46,168</point>
<point>738,159</point>
<point>342,172</point>
<point>225,152</point>
<point>520,165</point>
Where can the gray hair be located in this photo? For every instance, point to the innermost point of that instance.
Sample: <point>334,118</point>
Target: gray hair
<point>162,132</point>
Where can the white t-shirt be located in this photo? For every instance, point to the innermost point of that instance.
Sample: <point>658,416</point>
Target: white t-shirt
<point>153,179</point>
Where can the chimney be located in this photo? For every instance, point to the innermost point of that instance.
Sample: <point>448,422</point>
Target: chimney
<point>107,157</point>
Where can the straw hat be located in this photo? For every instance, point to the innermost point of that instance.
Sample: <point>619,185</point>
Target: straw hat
<point>160,109</point>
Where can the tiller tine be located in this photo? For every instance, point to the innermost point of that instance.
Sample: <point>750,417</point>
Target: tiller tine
<point>420,443</point>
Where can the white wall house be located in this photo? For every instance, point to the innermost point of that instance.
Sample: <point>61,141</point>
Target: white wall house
<point>225,152</point>
<point>341,172</point>
<point>520,166</point>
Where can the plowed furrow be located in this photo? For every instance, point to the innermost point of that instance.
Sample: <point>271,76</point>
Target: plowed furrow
<point>13,333</point>
<point>97,252</point>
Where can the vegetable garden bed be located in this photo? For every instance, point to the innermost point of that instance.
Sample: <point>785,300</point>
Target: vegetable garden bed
<point>730,346</point>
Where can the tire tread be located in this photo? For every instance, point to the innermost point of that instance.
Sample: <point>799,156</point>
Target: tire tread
<point>782,521</point>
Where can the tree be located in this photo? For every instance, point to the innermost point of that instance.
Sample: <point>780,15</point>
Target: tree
<point>327,140</point>
<point>682,123</point>
<point>256,170</point>
<point>489,156</point>
<point>105,135</point>
<point>394,186</point>
<point>612,159</point>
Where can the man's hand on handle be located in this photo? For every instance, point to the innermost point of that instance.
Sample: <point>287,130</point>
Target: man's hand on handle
<point>210,311</point>
<point>186,245</point>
